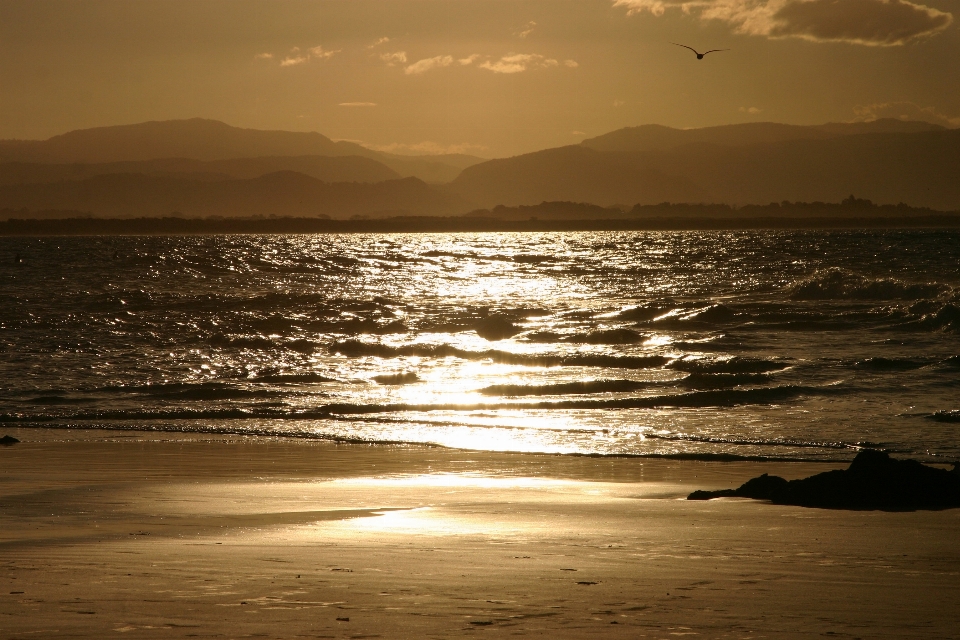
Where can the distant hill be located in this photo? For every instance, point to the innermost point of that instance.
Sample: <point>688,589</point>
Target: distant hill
<point>851,208</point>
<point>886,161</point>
<point>283,193</point>
<point>203,167</point>
<point>575,173</point>
<point>439,169</point>
<point>209,140</point>
<point>653,137</point>
<point>328,169</point>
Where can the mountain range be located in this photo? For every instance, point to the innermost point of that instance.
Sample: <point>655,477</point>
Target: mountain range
<point>887,161</point>
<point>211,140</point>
<point>207,168</point>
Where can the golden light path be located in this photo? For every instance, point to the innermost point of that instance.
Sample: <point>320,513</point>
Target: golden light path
<point>461,504</point>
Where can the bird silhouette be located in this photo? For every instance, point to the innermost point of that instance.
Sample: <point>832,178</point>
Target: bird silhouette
<point>699,55</point>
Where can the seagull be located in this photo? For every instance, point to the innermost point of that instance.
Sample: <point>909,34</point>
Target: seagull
<point>699,55</point>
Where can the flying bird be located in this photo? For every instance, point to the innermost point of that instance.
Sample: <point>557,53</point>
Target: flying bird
<point>699,55</point>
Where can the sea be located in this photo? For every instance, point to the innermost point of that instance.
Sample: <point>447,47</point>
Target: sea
<point>734,345</point>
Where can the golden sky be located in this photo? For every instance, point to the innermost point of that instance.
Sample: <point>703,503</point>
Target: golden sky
<point>486,77</point>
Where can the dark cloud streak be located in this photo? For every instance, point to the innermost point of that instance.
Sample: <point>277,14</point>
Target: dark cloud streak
<point>869,22</point>
<point>864,22</point>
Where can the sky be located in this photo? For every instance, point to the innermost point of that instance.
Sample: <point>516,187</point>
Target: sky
<point>491,78</point>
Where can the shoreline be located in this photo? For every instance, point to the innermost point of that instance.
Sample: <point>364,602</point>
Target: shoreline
<point>411,224</point>
<point>178,435</point>
<point>169,535</point>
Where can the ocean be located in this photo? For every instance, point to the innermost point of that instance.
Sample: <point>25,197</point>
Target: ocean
<point>782,345</point>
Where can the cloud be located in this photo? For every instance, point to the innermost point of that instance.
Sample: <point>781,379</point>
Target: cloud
<point>519,62</point>
<point>426,148</point>
<point>655,7</point>
<point>321,53</point>
<point>264,56</point>
<point>577,133</point>
<point>904,111</point>
<point>527,30</point>
<point>750,110</point>
<point>296,56</point>
<point>864,22</point>
<point>379,42</point>
<point>398,57</point>
<point>422,66</point>
<point>618,103</point>
<point>511,63</point>
<point>357,104</point>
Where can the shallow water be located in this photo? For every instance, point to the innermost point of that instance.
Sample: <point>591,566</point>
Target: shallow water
<point>795,345</point>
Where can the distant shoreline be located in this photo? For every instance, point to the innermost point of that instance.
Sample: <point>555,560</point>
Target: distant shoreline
<point>208,226</point>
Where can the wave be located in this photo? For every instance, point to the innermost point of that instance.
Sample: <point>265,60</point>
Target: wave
<point>57,399</point>
<point>408,377</point>
<point>643,313</point>
<point>953,362</point>
<point>139,415</point>
<point>695,399</point>
<point>293,378</point>
<point>178,391</point>
<point>598,336</point>
<point>697,381</point>
<point>222,430</point>
<point>700,457</point>
<point>710,315</point>
<point>721,380</point>
<point>753,442</point>
<point>736,364</point>
<point>353,327</point>
<point>495,328</point>
<point>891,364</point>
<point>356,349</point>
<point>945,318</point>
<point>839,284</point>
<point>262,343</point>
<point>172,392</point>
<point>565,388</point>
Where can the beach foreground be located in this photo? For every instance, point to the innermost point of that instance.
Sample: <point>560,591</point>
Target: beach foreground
<point>107,533</point>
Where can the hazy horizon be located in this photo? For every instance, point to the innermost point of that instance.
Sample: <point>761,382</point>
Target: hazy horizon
<point>487,78</point>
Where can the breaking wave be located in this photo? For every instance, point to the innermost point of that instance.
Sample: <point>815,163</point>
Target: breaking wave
<point>356,349</point>
<point>838,284</point>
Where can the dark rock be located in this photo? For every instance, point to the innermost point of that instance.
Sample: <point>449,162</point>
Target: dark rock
<point>874,480</point>
<point>764,487</point>
<point>8,441</point>
<point>701,494</point>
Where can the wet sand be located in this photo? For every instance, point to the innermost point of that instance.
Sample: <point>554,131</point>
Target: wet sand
<point>110,534</point>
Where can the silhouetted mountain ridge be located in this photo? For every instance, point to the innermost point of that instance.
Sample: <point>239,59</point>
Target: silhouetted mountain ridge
<point>281,193</point>
<point>885,161</point>
<point>211,140</point>
<point>201,167</point>
<point>326,168</point>
<point>653,137</point>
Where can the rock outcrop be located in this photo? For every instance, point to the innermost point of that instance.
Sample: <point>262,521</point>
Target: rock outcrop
<point>874,481</point>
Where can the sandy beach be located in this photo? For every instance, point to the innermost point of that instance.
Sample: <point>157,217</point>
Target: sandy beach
<point>109,533</point>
